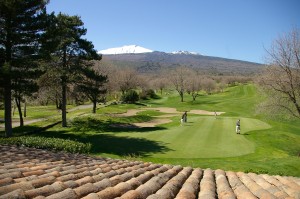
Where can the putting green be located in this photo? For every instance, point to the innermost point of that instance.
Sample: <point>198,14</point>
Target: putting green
<point>206,137</point>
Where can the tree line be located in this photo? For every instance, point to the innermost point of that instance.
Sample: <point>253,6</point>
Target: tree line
<point>34,43</point>
<point>183,79</point>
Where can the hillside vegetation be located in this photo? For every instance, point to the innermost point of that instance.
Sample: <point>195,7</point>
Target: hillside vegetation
<point>157,61</point>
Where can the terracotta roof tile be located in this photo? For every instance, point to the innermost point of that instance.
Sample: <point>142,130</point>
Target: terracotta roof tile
<point>35,173</point>
<point>190,187</point>
<point>86,189</point>
<point>18,193</point>
<point>6,181</point>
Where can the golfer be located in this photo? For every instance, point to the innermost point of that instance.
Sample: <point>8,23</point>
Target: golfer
<point>184,117</point>
<point>238,126</point>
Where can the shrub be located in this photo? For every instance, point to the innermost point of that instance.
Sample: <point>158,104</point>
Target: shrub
<point>130,97</point>
<point>149,93</point>
<point>56,144</point>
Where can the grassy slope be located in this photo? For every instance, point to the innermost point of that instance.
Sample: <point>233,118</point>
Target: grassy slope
<point>274,143</point>
<point>268,146</point>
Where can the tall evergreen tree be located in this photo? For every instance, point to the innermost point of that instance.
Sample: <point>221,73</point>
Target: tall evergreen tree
<point>23,83</point>
<point>91,83</point>
<point>20,28</point>
<point>64,43</point>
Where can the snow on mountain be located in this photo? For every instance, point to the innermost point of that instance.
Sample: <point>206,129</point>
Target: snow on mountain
<point>134,49</point>
<point>125,50</point>
<point>181,52</point>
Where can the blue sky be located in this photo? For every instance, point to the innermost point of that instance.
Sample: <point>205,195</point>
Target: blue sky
<point>235,29</point>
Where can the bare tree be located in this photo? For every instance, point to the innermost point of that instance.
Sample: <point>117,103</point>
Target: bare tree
<point>127,79</point>
<point>194,86</point>
<point>208,85</point>
<point>179,78</point>
<point>49,89</point>
<point>160,83</point>
<point>111,72</point>
<point>282,77</point>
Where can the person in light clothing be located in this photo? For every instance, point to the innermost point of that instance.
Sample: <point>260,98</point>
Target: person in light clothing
<point>238,126</point>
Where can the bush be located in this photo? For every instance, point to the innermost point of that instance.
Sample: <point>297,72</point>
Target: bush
<point>146,94</point>
<point>130,97</point>
<point>56,144</point>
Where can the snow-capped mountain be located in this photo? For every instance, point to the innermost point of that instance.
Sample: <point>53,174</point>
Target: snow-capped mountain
<point>181,52</point>
<point>148,61</point>
<point>131,49</point>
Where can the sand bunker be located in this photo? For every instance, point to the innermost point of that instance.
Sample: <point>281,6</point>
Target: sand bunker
<point>163,109</point>
<point>162,119</point>
<point>202,112</point>
<point>130,112</point>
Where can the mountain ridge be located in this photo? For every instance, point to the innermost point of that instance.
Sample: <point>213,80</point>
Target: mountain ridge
<point>147,61</point>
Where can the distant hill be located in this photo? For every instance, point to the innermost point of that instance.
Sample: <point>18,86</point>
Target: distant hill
<point>152,62</point>
<point>149,61</point>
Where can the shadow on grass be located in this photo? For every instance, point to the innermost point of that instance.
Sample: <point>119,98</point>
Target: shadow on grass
<point>101,136</point>
<point>140,104</point>
<point>111,144</point>
<point>100,126</point>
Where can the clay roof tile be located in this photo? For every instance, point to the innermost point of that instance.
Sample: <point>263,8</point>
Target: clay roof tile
<point>34,173</point>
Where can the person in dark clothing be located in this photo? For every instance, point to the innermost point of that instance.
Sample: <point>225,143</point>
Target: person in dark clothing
<point>184,117</point>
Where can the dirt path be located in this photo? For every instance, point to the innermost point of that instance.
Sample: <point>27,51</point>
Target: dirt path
<point>17,123</point>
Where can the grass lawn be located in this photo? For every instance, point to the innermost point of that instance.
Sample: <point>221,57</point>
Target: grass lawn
<point>204,137</point>
<point>264,146</point>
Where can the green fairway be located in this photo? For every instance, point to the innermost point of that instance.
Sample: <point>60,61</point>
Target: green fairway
<point>205,137</point>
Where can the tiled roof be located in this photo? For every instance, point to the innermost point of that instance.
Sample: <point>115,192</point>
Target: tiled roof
<point>35,173</point>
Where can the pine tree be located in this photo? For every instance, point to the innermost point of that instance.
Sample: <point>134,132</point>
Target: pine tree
<point>91,83</point>
<point>20,28</point>
<point>67,50</point>
<point>24,83</point>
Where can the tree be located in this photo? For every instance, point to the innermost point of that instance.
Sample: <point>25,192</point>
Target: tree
<point>24,84</point>
<point>127,79</point>
<point>91,83</point>
<point>160,83</point>
<point>110,71</point>
<point>194,86</point>
<point>282,76</point>
<point>20,28</point>
<point>209,85</point>
<point>179,79</point>
<point>63,41</point>
<point>49,88</point>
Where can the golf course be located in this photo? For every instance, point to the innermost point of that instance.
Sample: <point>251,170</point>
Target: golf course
<point>151,131</point>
